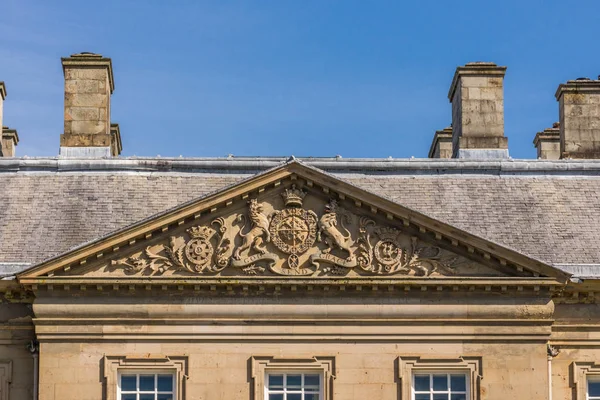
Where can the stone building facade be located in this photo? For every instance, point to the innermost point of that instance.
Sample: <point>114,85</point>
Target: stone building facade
<point>468,275</point>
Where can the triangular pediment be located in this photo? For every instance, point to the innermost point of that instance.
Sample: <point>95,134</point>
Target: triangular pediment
<point>291,222</point>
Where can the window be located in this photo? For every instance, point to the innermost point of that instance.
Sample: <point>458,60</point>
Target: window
<point>293,386</point>
<point>440,386</point>
<point>585,380</point>
<point>436,378</point>
<point>145,386</point>
<point>593,387</point>
<point>292,378</point>
<point>148,377</point>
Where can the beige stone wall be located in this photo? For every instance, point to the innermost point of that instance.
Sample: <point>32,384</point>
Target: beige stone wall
<point>482,100</point>
<point>364,370</point>
<point>366,335</point>
<point>576,334</point>
<point>549,150</point>
<point>580,121</point>
<point>87,107</point>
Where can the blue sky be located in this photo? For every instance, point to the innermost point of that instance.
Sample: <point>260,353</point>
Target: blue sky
<point>309,78</point>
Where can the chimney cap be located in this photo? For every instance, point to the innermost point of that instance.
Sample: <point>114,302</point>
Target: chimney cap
<point>445,135</point>
<point>8,133</point>
<point>476,68</point>
<point>481,63</point>
<point>87,59</point>
<point>581,85</point>
<point>86,54</point>
<point>2,90</point>
<point>547,135</point>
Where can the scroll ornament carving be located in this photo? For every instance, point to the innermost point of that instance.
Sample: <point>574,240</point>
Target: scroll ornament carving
<point>292,241</point>
<point>197,255</point>
<point>384,251</point>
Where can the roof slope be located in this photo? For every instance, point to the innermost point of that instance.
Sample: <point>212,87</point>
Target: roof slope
<point>549,211</point>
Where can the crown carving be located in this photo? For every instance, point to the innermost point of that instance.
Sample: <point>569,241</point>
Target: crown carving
<point>293,197</point>
<point>199,231</point>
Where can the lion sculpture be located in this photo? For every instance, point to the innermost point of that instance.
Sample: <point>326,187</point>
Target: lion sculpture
<point>329,232</point>
<point>260,227</point>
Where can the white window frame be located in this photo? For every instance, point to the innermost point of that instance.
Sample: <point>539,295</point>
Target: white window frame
<point>261,366</point>
<point>291,372</point>
<point>465,373</point>
<point>154,372</point>
<point>408,366</point>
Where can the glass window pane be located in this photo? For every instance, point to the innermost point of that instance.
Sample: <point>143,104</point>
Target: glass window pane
<point>458,397</point>
<point>311,381</point>
<point>128,397</point>
<point>294,381</point>
<point>440,382</point>
<point>128,383</point>
<point>294,396</point>
<point>146,396</point>
<point>165,397</point>
<point>440,396</point>
<point>275,381</point>
<point>276,397</point>
<point>147,383</point>
<point>422,396</point>
<point>422,383</point>
<point>312,396</point>
<point>165,383</point>
<point>458,383</point>
<point>593,388</point>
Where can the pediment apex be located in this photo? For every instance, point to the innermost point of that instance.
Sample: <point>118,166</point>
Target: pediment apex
<point>291,221</point>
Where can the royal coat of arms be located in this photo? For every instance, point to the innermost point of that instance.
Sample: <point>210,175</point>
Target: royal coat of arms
<point>292,240</point>
<point>294,229</point>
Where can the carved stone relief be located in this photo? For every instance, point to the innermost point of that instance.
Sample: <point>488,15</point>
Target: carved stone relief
<point>293,233</point>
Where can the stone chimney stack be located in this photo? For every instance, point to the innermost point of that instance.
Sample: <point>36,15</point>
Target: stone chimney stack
<point>2,97</point>
<point>441,147</point>
<point>477,97</point>
<point>88,86</point>
<point>579,113</point>
<point>547,143</point>
<point>10,139</point>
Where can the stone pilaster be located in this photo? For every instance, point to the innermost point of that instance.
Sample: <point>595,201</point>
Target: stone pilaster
<point>89,84</point>
<point>547,143</point>
<point>477,97</point>
<point>579,112</point>
<point>441,147</point>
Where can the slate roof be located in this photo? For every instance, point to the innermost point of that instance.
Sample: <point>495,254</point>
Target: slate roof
<point>549,210</point>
